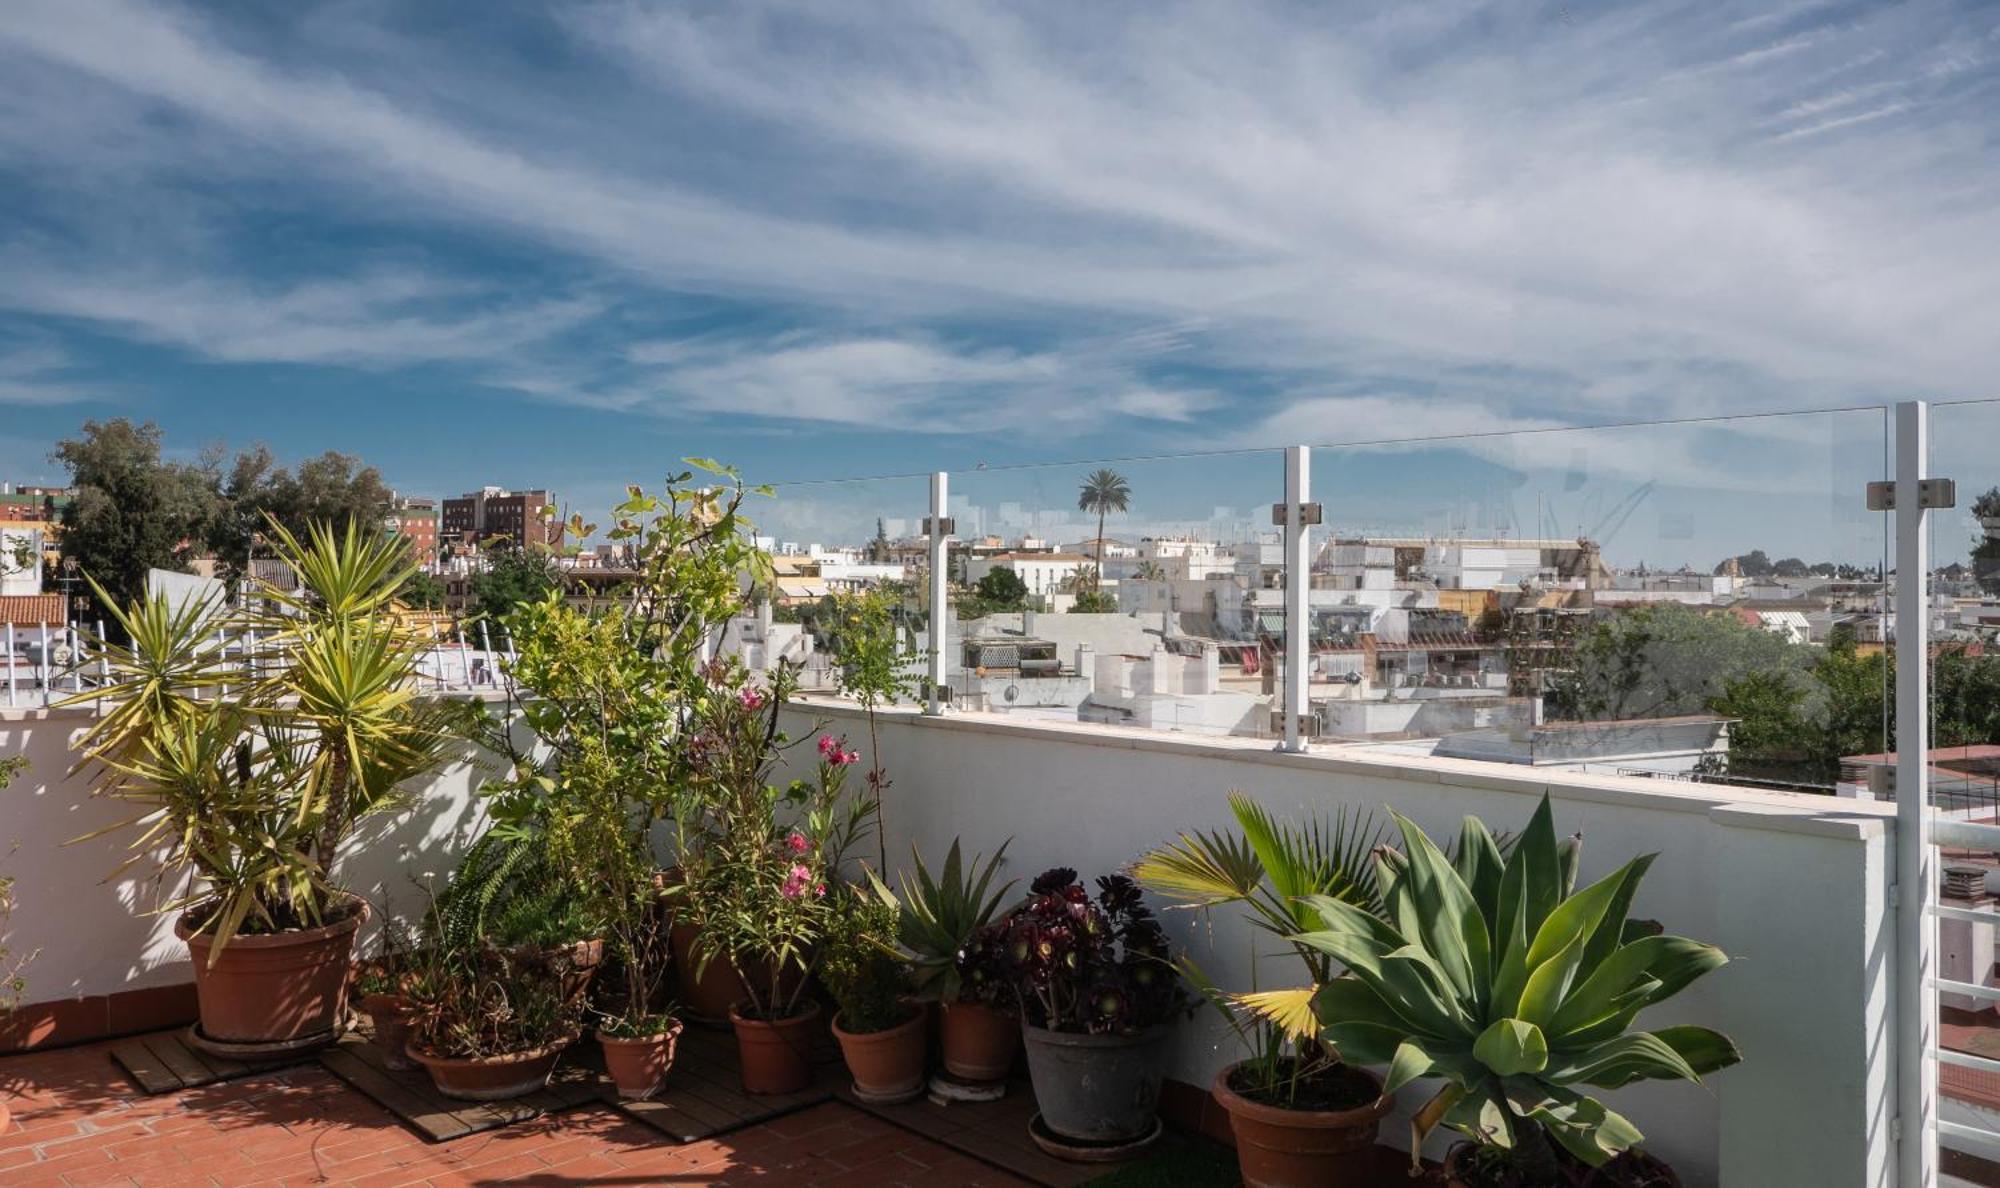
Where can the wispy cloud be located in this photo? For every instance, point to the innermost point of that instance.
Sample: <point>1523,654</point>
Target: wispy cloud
<point>1182,222</point>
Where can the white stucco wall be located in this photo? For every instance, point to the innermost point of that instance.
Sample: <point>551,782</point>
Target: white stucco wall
<point>96,937</point>
<point>1794,888</point>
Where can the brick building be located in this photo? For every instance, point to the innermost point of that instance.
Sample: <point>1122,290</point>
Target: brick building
<point>497,514</point>
<point>415,520</point>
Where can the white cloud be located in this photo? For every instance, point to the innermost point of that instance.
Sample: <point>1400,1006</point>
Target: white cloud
<point>1665,210</point>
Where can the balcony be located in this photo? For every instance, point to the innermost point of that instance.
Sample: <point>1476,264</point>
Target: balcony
<point>1429,679</point>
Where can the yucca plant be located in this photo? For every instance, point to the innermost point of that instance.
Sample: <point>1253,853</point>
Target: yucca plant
<point>250,770</point>
<point>1271,869</point>
<point>1518,990</point>
<point>937,917</point>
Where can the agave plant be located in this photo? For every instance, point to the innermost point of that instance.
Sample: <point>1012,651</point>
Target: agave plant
<point>249,771</point>
<point>1272,869</point>
<point>1518,990</point>
<point>938,917</point>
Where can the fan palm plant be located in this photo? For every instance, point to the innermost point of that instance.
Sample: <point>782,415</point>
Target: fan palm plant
<point>1273,870</point>
<point>1515,988</point>
<point>1105,490</point>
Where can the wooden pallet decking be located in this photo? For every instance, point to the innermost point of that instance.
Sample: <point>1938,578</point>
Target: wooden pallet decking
<point>164,1062</point>
<point>704,1092</point>
<point>994,1132</point>
<point>410,1095</point>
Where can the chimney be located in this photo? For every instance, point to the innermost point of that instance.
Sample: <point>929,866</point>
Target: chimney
<point>1964,882</point>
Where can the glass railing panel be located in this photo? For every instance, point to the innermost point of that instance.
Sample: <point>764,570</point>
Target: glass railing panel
<point>848,560</point>
<point>1963,750</point>
<point>1137,593</point>
<point>1688,601</point>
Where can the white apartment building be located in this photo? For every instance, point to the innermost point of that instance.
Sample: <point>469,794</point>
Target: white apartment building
<point>1043,573</point>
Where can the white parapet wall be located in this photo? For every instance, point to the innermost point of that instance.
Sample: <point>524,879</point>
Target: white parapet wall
<point>98,936</point>
<point>1795,888</point>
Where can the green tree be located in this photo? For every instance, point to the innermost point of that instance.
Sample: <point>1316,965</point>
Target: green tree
<point>334,488</point>
<point>422,591</point>
<point>1986,549</point>
<point>1103,491</point>
<point>1664,660</point>
<point>1003,589</point>
<point>512,577</point>
<point>868,643</point>
<point>1094,602</point>
<point>132,510</point>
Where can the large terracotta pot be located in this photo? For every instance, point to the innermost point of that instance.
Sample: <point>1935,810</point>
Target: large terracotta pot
<point>1097,1088</point>
<point>978,1042</point>
<point>391,1016</point>
<point>1281,1148</point>
<point>708,995</point>
<point>638,1064</point>
<point>273,994</point>
<point>776,1054</point>
<point>491,1078</point>
<point>1633,1167</point>
<point>888,1066</point>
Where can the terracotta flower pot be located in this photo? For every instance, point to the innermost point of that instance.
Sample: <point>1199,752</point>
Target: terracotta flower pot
<point>1097,1088</point>
<point>1284,1148</point>
<point>776,1054</point>
<point>978,1042</point>
<point>273,994</point>
<point>638,1064</point>
<point>391,1016</point>
<point>491,1078</point>
<point>1633,1167</point>
<point>888,1066</point>
<point>707,996</point>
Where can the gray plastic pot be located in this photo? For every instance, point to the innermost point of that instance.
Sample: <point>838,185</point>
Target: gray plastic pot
<point>1097,1088</point>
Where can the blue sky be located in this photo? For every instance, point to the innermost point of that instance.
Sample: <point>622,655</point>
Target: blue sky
<point>565,245</point>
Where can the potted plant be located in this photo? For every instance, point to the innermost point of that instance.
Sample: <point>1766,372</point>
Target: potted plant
<point>1300,1114</point>
<point>767,907</point>
<point>611,690</point>
<point>489,1023</point>
<point>379,986</point>
<point>1097,989</point>
<point>1518,991</point>
<point>249,769</point>
<point>881,1030</point>
<point>938,920</point>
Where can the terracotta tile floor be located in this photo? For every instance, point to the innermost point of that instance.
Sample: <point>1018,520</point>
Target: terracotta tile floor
<point>78,1121</point>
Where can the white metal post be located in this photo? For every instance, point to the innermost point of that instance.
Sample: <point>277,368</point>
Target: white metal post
<point>1298,577</point>
<point>1916,867</point>
<point>46,658</point>
<point>940,600</point>
<point>13,660</point>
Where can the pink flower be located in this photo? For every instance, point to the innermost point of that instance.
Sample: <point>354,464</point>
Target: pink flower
<point>796,843</point>
<point>795,884</point>
<point>819,890</point>
<point>851,757</point>
<point>750,698</point>
<point>828,746</point>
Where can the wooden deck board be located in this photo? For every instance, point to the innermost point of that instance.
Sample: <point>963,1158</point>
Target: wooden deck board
<point>164,1062</point>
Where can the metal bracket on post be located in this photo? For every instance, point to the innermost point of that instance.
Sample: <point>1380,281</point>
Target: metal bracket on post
<point>938,527</point>
<point>1296,515</point>
<point>1912,496</point>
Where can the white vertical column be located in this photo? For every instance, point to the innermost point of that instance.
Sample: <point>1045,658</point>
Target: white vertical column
<point>1298,578</point>
<point>940,600</point>
<point>48,661</point>
<point>1916,861</point>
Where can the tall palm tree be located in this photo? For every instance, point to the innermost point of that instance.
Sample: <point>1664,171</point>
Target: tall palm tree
<point>1104,491</point>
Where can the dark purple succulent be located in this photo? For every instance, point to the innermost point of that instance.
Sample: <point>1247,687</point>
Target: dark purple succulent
<point>1075,964</point>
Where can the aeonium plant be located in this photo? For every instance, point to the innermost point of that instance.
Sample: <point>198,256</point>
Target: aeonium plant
<point>1098,966</point>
